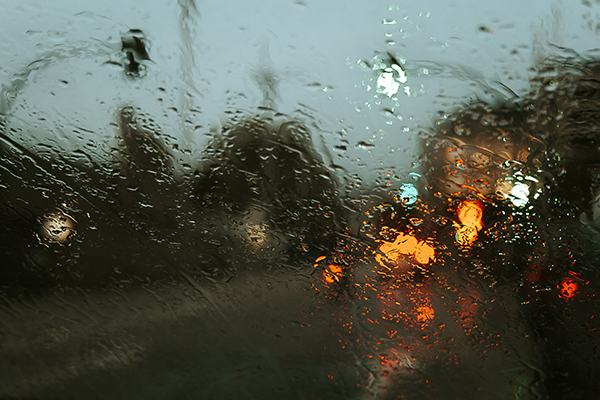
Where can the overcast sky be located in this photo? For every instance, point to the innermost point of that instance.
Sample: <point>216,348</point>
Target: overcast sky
<point>209,57</point>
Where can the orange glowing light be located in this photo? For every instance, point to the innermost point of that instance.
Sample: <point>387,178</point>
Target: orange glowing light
<point>424,252</point>
<point>568,287</point>
<point>424,314</point>
<point>470,215</point>
<point>405,245</point>
<point>333,273</point>
<point>466,235</point>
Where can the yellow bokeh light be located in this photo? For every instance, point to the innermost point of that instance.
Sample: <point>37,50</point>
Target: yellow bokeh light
<point>470,214</point>
<point>405,246</point>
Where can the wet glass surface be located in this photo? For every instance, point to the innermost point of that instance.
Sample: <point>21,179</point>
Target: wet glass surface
<point>305,200</point>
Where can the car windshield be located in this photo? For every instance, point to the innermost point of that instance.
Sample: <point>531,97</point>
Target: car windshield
<point>299,199</point>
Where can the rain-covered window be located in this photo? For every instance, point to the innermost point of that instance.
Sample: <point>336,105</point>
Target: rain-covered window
<point>299,199</point>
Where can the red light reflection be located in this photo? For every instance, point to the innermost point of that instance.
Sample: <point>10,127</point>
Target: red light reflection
<point>568,288</point>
